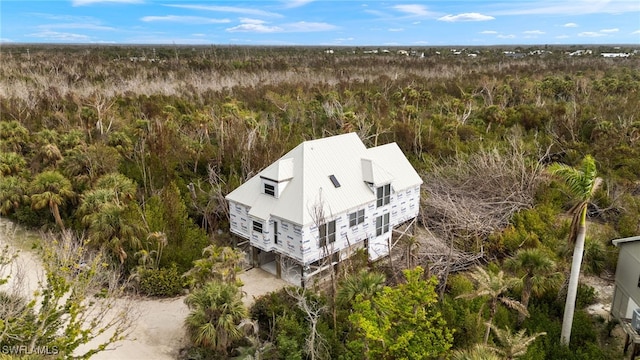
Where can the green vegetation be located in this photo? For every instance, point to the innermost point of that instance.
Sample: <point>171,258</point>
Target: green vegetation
<point>138,156</point>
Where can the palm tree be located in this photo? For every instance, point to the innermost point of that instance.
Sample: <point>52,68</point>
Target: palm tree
<point>12,194</point>
<point>493,284</point>
<point>478,352</point>
<point>113,227</point>
<point>216,312</point>
<point>11,163</point>
<point>220,263</point>
<point>52,189</point>
<point>123,187</point>
<point>13,136</point>
<point>364,282</point>
<point>539,273</point>
<point>582,184</point>
<point>47,151</point>
<point>513,345</point>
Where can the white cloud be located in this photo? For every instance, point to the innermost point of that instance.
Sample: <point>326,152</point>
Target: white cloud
<point>562,37</point>
<point>572,7</point>
<point>376,13</point>
<point>90,2</point>
<point>252,21</point>
<point>84,26</point>
<point>72,18</point>
<point>415,23</point>
<point>60,36</point>
<point>162,39</point>
<point>488,32</point>
<point>296,3</point>
<point>395,29</point>
<point>590,34</point>
<point>609,30</point>
<point>5,40</point>
<point>260,26</point>
<point>510,36</point>
<point>229,9</point>
<point>570,25</point>
<point>413,9</point>
<point>345,39</point>
<point>185,19</point>
<point>637,32</point>
<point>253,27</point>
<point>534,32</point>
<point>303,26</point>
<point>466,17</point>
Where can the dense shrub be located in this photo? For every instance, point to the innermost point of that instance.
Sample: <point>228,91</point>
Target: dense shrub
<point>163,282</point>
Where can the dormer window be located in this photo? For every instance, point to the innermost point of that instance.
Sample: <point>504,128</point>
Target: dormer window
<point>383,195</point>
<point>269,189</point>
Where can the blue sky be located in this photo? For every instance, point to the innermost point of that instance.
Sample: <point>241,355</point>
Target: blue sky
<point>321,22</point>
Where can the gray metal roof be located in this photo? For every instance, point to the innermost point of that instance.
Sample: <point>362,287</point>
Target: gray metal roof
<point>307,169</point>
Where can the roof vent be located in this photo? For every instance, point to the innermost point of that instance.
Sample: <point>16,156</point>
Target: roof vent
<point>334,181</point>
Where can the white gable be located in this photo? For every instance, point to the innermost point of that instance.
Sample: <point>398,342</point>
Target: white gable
<point>308,168</point>
<point>280,170</point>
<point>374,174</point>
<point>392,166</point>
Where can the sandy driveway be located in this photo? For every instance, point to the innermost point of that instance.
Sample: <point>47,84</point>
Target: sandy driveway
<point>158,333</point>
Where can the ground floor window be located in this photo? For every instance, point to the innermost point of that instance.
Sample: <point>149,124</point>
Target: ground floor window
<point>327,233</point>
<point>257,226</point>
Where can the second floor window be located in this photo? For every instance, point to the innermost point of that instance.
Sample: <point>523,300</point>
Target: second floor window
<point>257,227</point>
<point>356,218</point>
<point>383,195</point>
<point>327,233</point>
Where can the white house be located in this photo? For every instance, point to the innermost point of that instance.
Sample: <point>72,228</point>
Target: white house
<point>322,201</point>
<point>626,296</point>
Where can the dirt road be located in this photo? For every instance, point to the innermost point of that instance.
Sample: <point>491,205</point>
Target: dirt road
<point>158,332</point>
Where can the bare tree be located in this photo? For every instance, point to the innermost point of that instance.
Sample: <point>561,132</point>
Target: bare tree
<point>316,345</point>
<point>78,309</point>
<point>473,196</point>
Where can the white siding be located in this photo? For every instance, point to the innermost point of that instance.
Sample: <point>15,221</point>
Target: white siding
<point>289,239</point>
<point>239,219</point>
<point>303,244</point>
<point>403,206</point>
<point>345,236</point>
<point>379,245</point>
<point>627,291</point>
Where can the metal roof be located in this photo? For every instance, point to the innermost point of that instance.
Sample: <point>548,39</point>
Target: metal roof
<point>309,166</point>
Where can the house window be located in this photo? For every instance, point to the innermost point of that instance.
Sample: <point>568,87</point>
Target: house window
<point>327,232</point>
<point>269,189</point>
<point>382,224</point>
<point>383,195</point>
<point>257,227</point>
<point>356,218</point>
<point>275,232</point>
